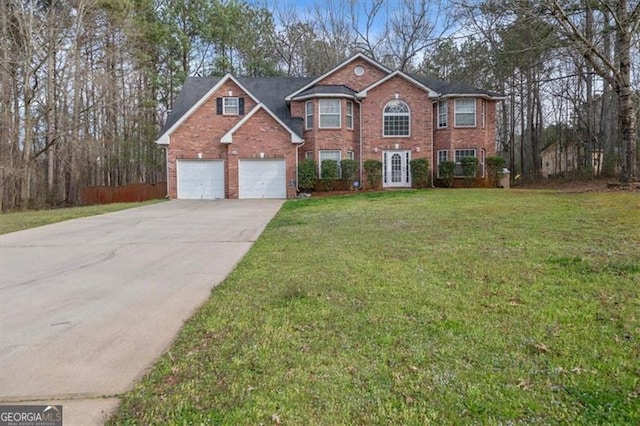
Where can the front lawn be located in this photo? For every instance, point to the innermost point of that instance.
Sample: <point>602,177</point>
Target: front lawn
<point>440,306</point>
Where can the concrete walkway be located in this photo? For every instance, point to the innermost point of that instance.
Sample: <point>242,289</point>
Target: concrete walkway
<point>87,306</point>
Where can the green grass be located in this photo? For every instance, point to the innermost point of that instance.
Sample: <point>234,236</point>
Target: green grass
<point>18,221</point>
<point>424,307</point>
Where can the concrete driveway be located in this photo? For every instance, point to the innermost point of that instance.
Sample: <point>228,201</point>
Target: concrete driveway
<point>86,306</point>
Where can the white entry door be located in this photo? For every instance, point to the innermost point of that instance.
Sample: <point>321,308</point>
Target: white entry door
<point>262,178</point>
<point>396,169</point>
<point>200,179</point>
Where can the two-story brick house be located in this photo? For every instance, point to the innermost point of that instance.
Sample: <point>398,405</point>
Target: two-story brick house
<point>243,137</point>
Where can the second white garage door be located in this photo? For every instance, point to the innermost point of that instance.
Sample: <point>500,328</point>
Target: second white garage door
<point>262,178</point>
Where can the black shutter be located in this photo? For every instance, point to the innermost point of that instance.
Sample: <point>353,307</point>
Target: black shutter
<point>219,106</point>
<point>241,106</point>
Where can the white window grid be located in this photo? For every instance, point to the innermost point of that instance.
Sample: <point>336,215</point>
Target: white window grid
<point>349,115</point>
<point>230,106</point>
<point>329,112</point>
<point>396,119</point>
<point>335,155</point>
<point>443,114</point>
<point>459,154</point>
<point>465,112</point>
<point>308,109</point>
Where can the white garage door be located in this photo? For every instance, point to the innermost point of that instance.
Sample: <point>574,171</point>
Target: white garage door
<point>200,179</point>
<point>262,179</point>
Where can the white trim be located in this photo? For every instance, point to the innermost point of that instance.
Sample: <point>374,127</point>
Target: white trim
<point>474,95</point>
<point>475,113</point>
<point>164,139</point>
<point>431,93</point>
<point>224,105</point>
<point>384,114</point>
<point>320,114</point>
<point>446,110</point>
<point>228,137</point>
<point>337,67</point>
<point>308,125</point>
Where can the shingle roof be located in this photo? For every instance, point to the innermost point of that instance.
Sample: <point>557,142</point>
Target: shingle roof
<point>326,90</point>
<point>454,88</point>
<point>271,91</point>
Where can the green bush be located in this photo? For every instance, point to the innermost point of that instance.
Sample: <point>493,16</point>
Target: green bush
<point>447,170</point>
<point>349,172</point>
<point>373,170</point>
<point>469,170</point>
<point>495,165</point>
<point>328,174</point>
<point>307,175</point>
<point>420,172</point>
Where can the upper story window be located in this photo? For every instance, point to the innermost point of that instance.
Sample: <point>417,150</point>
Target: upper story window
<point>443,114</point>
<point>349,115</point>
<point>308,114</point>
<point>465,112</point>
<point>329,113</point>
<point>396,117</point>
<point>230,106</point>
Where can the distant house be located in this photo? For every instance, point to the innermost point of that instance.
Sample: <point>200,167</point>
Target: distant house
<point>559,159</point>
<point>243,137</point>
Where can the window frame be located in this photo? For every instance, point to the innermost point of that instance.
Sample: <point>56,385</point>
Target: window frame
<point>440,160</point>
<point>458,105</point>
<point>458,172</point>
<point>442,125</point>
<point>225,107</point>
<point>320,160</point>
<point>308,115</point>
<point>386,115</point>
<point>349,113</point>
<point>321,114</point>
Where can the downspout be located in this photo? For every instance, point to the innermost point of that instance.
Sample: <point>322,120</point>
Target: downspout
<point>166,167</point>
<point>298,145</point>
<point>361,161</point>
<point>433,140</point>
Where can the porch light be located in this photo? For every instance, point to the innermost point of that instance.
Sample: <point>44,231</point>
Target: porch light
<point>199,155</point>
<point>234,152</point>
<point>417,149</point>
<point>396,146</point>
<point>262,155</point>
<point>375,149</point>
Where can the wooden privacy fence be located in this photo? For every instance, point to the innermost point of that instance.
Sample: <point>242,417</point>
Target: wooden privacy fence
<point>123,194</point>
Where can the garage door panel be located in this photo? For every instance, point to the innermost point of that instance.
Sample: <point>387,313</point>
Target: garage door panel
<point>200,179</point>
<point>262,179</point>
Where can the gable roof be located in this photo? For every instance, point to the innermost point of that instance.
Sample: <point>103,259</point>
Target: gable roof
<point>455,89</point>
<point>398,73</point>
<point>332,70</point>
<point>228,137</point>
<point>268,91</point>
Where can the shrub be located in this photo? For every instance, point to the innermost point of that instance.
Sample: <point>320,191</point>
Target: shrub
<point>328,174</point>
<point>469,170</point>
<point>447,170</point>
<point>420,172</point>
<point>495,165</point>
<point>349,172</point>
<point>373,170</point>
<point>307,174</point>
